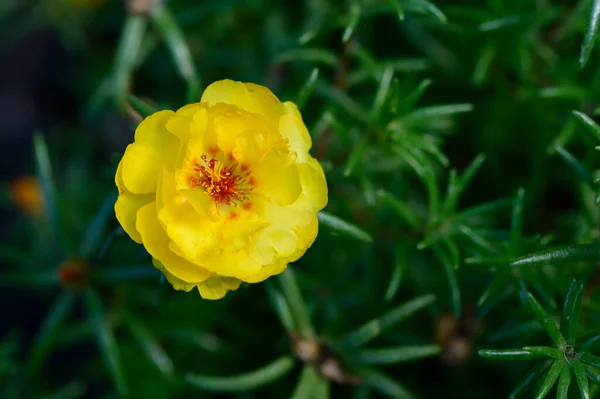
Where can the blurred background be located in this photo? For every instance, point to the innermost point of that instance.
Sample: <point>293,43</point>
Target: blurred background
<point>396,94</point>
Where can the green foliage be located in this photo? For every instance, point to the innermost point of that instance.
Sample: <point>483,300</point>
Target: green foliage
<point>569,356</point>
<point>459,143</point>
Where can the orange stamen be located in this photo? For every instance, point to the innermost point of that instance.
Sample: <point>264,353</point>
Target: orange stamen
<point>221,182</point>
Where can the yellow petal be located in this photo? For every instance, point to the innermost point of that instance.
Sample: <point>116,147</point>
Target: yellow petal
<point>276,177</point>
<point>141,165</point>
<point>231,264</point>
<point>314,185</point>
<point>126,209</point>
<point>249,147</point>
<point>119,177</point>
<point>152,130</point>
<point>195,235</point>
<point>156,243</point>
<point>292,128</point>
<point>217,286</point>
<point>168,196</point>
<point>188,121</point>
<point>248,96</point>
<point>177,284</point>
<point>228,125</point>
<point>266,271</point>
<point>238,228</point>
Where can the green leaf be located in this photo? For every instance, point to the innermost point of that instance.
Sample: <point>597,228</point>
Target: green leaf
<point>561,255</point>
<point>482,67</point>
<point>281,307</point>
<point>348,104</point>
<point>590,359</point>
<point>516,228</point>
<point>589,123</point>
<point>545,351</point>
<point>569,322</point>
<point>450,272</point>
<point>322,388</point>
<point>484,209</point>
<point>127,56</point>
<point>150,346</point>
<point>44,170</point>
<point>296,303</point>
<point>495,287</point>
<point>58,312</point>
<point>356,156</point>
<point>550,379</point>
<point>140,106</point>
<point>338,225</point>
<point>382,94</point>
<point>96,230</point>
<point>476,238</point>
<point>414,96</point>
<point>433,10</point>
<point>575,165</point>
<point>455,192</point>
<point>171,33</point>
<point>400,354</point>
<point>106,341</point>
<point>590,342</point>
<point>399,9</point>
<point>514,330</point>
<point>243,382</point>
<point>533,306</point>
<point>401,208</point>
<point>373,328</point>
<point>495,300</point>
<point>385,385</point>
<point>307,89</point>
<point>562,391</point>
<point>311,55</point>
<point>400,264</point>
<point>590,33</point>
<point>529,380</point>
<point>592,372</point>
<point>30,278</point>
<point>581,378</point>
<point>436,111</point>
<point>353,18</point>
<point>510,354</point>
<point>305,389</point>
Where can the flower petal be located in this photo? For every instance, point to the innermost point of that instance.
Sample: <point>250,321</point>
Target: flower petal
<point>248,96</point>
<point>141,165</point>
<point>249,147</point>
<point>229,124</point>
<point>126,209</point>
<point>314,185</point>
<point>152,131</point>
<point>231,264</point>
<point>292,128</point>
<point>266,271</point>
<point>189,120</point>
<point>177,284</point>
<point>195,235</point>
<point>277,177</point>
<point>156,243</point>
<point>217,286</point>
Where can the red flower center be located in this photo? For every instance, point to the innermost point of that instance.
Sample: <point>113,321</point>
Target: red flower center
<point>221,182</point>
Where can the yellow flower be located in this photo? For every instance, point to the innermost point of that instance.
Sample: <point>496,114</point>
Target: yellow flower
<point>222,191</point>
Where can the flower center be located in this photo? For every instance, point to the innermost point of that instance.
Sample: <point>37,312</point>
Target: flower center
<point>221,182</point>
